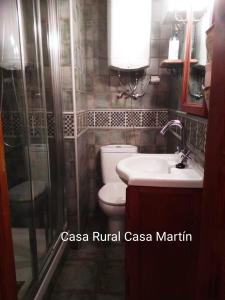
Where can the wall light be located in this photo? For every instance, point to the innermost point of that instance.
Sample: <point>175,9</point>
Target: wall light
<point>183,5</point>
<point>177,5</point>
<point>201,5</point>
<point>180,7</point>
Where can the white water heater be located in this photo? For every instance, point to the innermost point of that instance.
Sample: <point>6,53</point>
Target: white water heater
<point>129,30</point>
<point>10,57</point>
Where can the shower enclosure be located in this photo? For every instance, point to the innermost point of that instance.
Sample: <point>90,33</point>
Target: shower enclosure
<point>31,112</point>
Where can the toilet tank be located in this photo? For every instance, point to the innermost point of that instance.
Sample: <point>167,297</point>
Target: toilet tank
<point>110,156</point>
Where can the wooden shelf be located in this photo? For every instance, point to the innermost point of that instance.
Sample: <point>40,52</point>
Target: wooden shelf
<point>167,63</point>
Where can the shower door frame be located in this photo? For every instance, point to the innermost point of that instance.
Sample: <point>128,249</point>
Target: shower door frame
<point>8,284</point>
<point>7,264</point>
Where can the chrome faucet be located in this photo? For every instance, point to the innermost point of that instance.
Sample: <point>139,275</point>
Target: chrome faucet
<point>172,123</point>
<point>185,152</point>
<point>175,123</point>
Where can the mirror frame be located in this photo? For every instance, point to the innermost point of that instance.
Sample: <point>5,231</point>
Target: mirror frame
<point>196,109</point>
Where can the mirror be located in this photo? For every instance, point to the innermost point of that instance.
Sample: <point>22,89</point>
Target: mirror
<point>196,60</point>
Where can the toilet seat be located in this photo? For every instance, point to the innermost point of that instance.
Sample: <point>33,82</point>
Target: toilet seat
<point>113,193</point>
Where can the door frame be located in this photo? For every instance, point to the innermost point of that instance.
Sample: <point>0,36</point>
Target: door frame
<point>211,280</point>
<point>8,288</point>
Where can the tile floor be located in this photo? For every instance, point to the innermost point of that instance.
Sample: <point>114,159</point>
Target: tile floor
<point>23,261</point>
<point>93,272</point>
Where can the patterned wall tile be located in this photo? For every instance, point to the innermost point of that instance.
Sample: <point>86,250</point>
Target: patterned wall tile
<point>196,129</point>
<point>36,119</point>
<point>16,121</point>
<point>37,125</point>
<point>82,122</point>
<point>162,118</point>
<point>201,136</point>
<point>127,118</point>
<point>11,124</point>
<point>149,118</point>
<point>86,119</point>
<point>68,125</point>
<point>102,119</point>
<point>91,119</point>
<point>133,119</point>
<point>118,119</point>
<point>51,124</point>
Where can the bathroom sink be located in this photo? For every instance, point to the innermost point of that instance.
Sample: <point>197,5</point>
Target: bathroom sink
<point>159,170</point>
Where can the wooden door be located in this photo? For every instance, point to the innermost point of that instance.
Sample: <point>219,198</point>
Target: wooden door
<point>7,266</point>
<point>212,252</point>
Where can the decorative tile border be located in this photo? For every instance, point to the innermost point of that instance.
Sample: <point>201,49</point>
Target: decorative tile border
<point>12,122</point>
<point>68,125</point>
<point>51,124</point>
<point>82,122</point>
<point>196,129</point>
<point>37,125</point>
<point>127,118</point>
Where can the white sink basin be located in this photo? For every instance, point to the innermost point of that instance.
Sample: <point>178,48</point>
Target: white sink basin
<point>159,170</point>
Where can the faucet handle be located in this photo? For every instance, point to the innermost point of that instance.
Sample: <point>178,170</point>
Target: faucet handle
<point>186,155</point>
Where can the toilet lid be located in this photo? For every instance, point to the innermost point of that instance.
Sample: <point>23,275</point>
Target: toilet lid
<point>21,192</point>
<point>113,193</point>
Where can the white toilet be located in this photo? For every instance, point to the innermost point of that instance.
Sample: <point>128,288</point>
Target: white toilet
<point>112,196</point>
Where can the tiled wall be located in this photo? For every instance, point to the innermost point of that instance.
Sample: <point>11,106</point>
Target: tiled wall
<point>148,140</point>
<point>94,119</point>
<point>96,108</point>
<point>110,118</point>
<point>75,107</point>
<point>68,112</point>
<point>65,55</point>
<point>96,116</point>
<point>79,55</point>
<point>138,118</point>
<point>102,84</point>
<point>196,130</point>
<point>195,127</point>
<point>81,109</point>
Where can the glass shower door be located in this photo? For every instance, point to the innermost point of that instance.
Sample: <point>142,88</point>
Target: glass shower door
<point>15,142</point>
<point>38,150</point>
<point>32,144</point>
<point>41,65</point>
